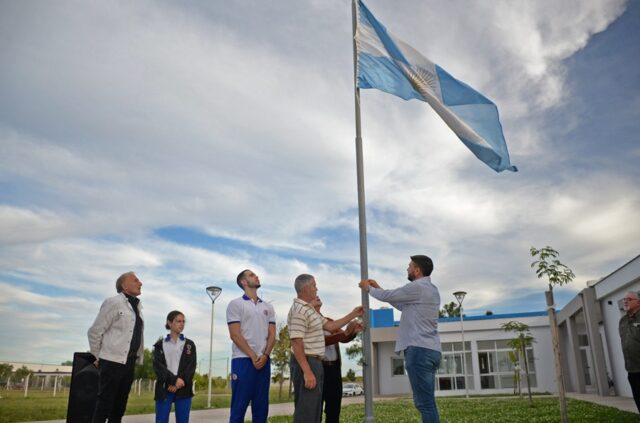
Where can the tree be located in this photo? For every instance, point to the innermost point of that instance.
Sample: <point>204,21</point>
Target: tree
<point>351,375</point>
<point>488,313</point>
<point>67,363</point>
<point>280,356</point>
<point>145,370</point>
<point>5,371</point>
<point>513,358</point>
<point>558,274</point>
<point>450,310</point>
<point>355,350</point>
<point>22,373</point>
<point>520,343</point>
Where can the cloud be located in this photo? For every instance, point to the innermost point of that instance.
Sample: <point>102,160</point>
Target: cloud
<point>236,122</point>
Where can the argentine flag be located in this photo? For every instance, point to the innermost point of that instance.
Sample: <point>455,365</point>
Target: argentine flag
<point>389,64</point>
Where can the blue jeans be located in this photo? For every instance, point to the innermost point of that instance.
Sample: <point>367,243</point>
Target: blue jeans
<point>422,364</point>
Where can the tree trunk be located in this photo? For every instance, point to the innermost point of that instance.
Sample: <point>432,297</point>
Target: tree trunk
<point>526,368</point>
<point>555,340</point>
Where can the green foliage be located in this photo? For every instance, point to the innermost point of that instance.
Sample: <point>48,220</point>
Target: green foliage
<point>145,370</point>
<point>280,356</point>
<point>488,313</point>
<point>355,350</point>
<point>42,405</point>
<point>519,344</point>
<point>5,371</point>
<point>450,310</point>
<point>22,373</point>
<point>351,375</point>
<point>550,267</point>
<point>489,409</point>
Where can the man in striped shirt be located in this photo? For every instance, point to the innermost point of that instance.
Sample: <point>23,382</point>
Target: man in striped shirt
<point>307,343</point>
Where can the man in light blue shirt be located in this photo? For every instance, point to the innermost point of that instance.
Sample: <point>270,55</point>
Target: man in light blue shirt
<point>419,302</point>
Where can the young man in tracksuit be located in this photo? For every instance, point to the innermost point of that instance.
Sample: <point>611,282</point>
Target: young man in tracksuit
<point>252,328</point>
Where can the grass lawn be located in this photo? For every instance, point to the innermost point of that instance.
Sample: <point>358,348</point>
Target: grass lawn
<point>484,410</point>
<point>43,406</point>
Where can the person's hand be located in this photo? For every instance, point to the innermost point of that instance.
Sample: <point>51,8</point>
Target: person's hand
<point>351,328</point>
<point>261,361</point>
<point>354,326</point>
<point>172,389</point>
<point>97,363</point>
<point>364,284</point>
<point>373,283</point>
<point>254,359</point>
<point>309,380</point>
<point>358,311</point>
<point>179,383</point>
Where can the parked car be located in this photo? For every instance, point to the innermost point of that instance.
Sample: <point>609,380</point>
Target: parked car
<point>352,389</point>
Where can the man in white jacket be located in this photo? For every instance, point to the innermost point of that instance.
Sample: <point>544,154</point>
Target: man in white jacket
<point>116,341</point>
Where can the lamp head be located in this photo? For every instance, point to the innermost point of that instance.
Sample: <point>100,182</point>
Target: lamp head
<point>460,296</point>
<point>214,292</point>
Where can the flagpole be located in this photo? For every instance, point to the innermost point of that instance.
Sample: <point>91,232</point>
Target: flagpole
<point>367,370</point>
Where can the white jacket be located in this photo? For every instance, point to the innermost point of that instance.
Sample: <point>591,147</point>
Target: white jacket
<point>111,333</point>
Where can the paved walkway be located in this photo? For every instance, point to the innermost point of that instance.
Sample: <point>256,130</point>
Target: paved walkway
<point>622,403</point>
<point>221,415</point>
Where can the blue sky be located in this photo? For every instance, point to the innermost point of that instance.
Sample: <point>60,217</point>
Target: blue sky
<point>188,141</point>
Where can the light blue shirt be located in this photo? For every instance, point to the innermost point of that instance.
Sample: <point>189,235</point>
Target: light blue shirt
<point>419,302</point>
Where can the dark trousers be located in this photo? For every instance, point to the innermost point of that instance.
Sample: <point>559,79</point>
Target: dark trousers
<point>332,392</point>
<point>113,392</point>
<point>634,381</point>
<point>307,402</point>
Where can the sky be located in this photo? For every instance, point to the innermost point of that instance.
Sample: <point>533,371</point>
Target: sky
<point>187,141</point>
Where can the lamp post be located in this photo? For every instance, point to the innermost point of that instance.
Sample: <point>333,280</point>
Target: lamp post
<point>460,298</point>
<point>213,292</point>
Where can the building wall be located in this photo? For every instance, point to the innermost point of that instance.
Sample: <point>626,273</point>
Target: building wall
<point>611,315</point>
<point>474,331</point>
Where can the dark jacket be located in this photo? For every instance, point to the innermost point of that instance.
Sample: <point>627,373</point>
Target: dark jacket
<point>186,370</point>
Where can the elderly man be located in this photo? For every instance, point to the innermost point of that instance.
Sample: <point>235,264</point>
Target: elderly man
<point>116,341</point>
<point>332,363</point>
<point>252,328</point>
<point>307,342</point>
<point>418,339</point>
<point>629,328</point>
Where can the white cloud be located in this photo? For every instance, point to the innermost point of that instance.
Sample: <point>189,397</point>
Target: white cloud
<point>236,120</point>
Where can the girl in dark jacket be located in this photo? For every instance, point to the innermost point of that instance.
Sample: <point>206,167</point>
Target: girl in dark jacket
<point>174,361</point>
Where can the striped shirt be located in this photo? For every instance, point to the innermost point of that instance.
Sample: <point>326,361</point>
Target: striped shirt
<point>304,322</point>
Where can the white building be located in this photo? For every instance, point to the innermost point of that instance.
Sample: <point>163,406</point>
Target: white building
<point>589,340</point>
<point>488,367</point>
<point>589,334</point>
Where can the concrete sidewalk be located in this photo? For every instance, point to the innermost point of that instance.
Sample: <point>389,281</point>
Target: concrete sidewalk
<point>221,415</point>
<point>621,403</point>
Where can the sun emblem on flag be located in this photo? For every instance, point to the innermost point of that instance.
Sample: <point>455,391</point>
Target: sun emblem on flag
<point>426,78</point>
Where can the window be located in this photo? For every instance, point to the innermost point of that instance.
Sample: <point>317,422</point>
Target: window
<point>397,367</point>
<point>450,375</point>
<point>497,366</point>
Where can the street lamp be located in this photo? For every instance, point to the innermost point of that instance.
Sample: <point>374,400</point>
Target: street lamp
<point>213,292</point>
<point>460,298</point>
